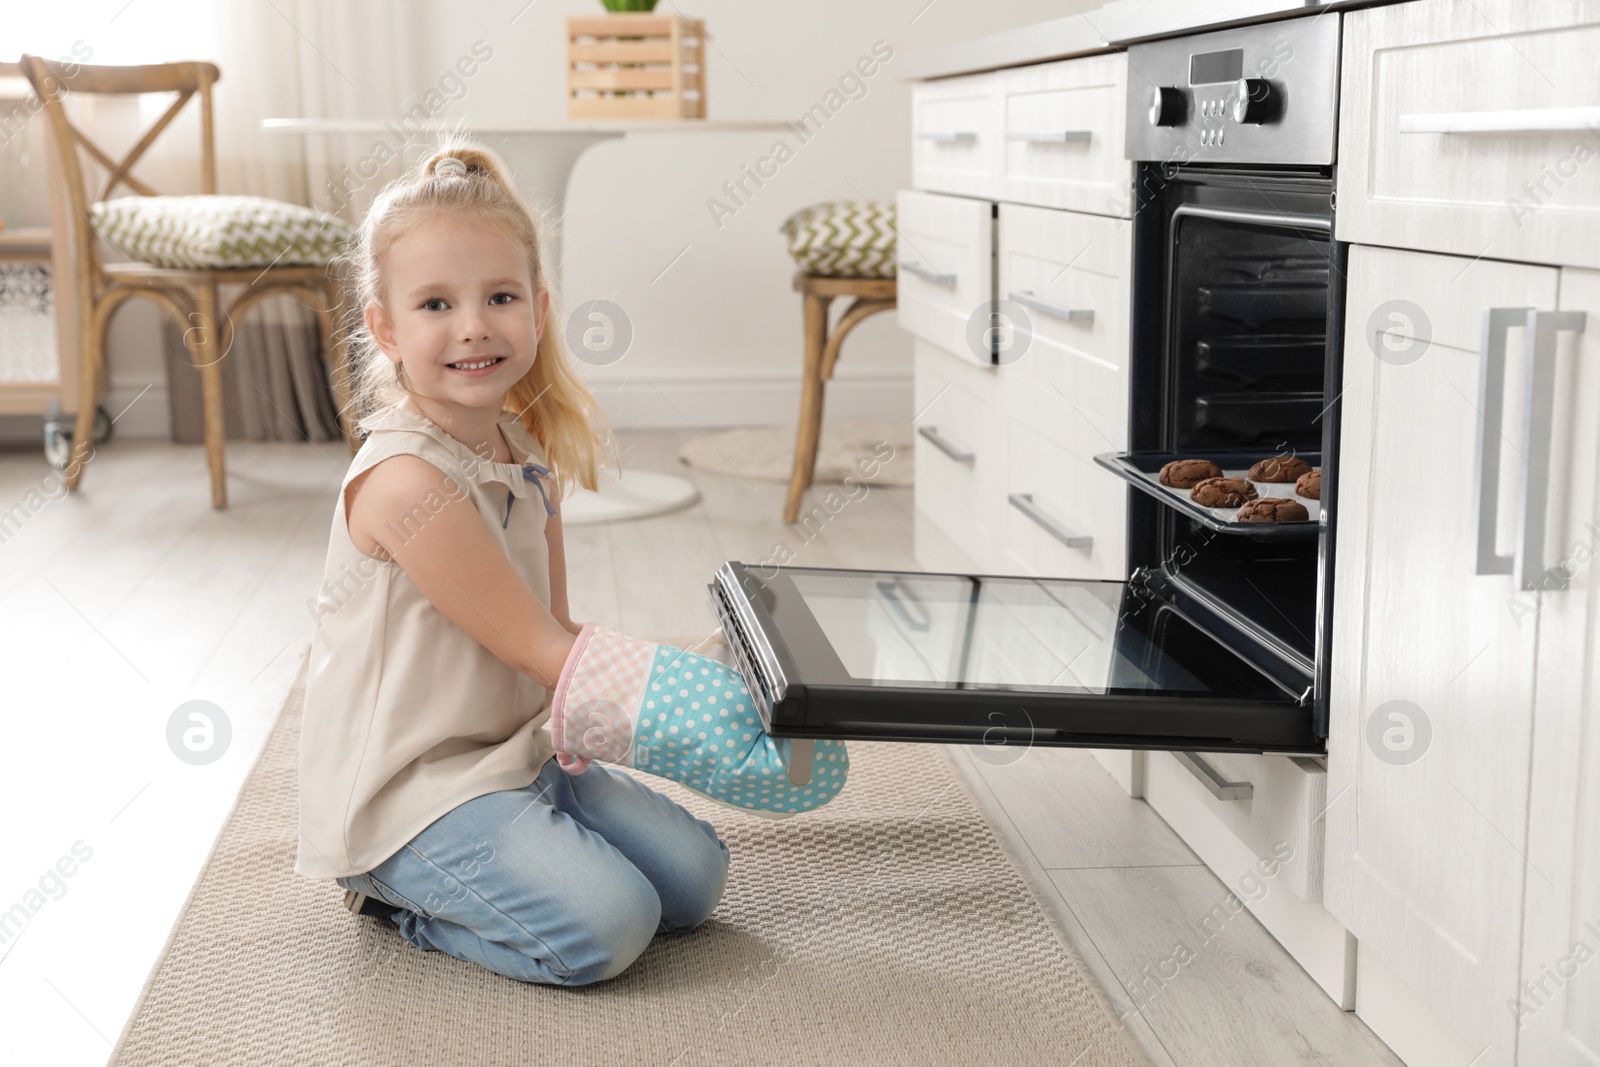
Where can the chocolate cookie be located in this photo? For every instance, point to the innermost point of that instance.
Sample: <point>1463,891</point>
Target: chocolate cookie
<point>1279,469</point>
<point>1222,492</point>
<point>1309,485</point>
<point>1184,473</point>
<point>1273,509</point>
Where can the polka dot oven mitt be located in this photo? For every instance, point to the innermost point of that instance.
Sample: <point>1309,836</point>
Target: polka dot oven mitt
<point>683,716</point>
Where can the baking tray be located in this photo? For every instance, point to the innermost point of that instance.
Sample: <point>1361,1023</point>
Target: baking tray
<point>1142,470</point>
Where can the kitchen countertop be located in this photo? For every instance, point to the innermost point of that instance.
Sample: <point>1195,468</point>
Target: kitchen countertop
<point>1109,28</point>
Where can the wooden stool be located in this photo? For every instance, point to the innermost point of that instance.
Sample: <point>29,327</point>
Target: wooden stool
<point>872,295</point>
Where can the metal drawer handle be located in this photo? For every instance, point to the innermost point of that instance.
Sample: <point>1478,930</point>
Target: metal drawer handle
<point>1491,408</point>
<point>1026,298</point>
<point>1526,563</point>
<point>1023,502</point>
<point>1051,137</point>
<point>1542,327</point>
<point>1215,784</point>
<point>951,137</point>
<point>1531,120</point>
<point>943,444</point>
<point>927,274</point>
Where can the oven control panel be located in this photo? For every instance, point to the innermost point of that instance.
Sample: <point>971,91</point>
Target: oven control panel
<point>1267,93</point>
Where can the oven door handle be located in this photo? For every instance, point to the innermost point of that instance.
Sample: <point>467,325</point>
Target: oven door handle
<point>1026,298</point>
<point>1023,502</point>
<point>1538,411</point>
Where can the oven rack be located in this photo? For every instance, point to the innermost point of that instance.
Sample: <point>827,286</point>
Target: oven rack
<point>1142,470</point>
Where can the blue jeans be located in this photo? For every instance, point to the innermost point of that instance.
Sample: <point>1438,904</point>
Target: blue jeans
<point>563,882</point>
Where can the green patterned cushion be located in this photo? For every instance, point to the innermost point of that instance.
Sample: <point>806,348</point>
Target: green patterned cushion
<point>218,231</point>
<point>843,238</point>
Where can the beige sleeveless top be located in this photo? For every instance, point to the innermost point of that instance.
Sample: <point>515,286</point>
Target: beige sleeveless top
<point>407,715</point>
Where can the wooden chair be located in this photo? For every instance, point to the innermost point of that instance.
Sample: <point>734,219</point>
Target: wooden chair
<point>872,295</point>
<point>189,294</point>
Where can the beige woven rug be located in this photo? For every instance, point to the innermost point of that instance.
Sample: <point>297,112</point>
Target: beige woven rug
<point>889,927</point>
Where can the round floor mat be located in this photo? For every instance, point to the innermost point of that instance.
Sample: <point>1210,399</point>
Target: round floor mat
<point>634,495</point>
<point>873,450</point>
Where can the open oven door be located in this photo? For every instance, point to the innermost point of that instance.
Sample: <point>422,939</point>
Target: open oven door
<point>1001,660</point>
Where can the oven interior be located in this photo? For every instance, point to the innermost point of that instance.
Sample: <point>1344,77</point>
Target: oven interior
<point>1235,358</point>
<point>1249,315</point>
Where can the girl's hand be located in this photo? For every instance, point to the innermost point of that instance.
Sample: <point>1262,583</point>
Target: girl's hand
<point>456,562</point>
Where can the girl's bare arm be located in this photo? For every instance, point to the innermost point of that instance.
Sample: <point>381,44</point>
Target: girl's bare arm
<point>558,569</point>
<point>407,509</point>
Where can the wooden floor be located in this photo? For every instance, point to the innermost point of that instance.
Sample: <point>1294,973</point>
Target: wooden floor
<point>125,600</point>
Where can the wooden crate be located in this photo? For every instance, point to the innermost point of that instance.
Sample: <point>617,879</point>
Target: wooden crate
<point>633,66</point>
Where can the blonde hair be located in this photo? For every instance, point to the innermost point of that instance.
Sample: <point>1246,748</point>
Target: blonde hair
<point>551,400</point>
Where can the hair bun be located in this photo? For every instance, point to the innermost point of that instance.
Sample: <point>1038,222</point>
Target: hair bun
<point>450,167</point>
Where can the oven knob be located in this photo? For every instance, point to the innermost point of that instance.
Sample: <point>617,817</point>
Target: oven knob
<point>1167,106</point>
<point>1252,101</point>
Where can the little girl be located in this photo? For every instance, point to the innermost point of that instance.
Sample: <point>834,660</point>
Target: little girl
<point>444,645</point>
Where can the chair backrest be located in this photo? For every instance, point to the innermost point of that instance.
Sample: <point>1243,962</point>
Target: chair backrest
<point>53,81</point>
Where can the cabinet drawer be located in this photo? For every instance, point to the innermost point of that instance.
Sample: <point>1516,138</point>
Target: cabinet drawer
<point>1060,142</point>
<point>1068,273</point>
<point>1267,848</point>
<point>1471,128</point>
<point>1282,812</point>
<point>945,275</point>
<point>1054,497</point>
<point>959,463</point>
<point>953,127</point>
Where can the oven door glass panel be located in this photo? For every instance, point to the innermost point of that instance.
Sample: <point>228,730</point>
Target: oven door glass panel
<point>888,655</point>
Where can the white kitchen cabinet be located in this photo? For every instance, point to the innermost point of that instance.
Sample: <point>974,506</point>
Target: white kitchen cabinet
<point>1268,846</point>
<point>944,248</point>
<point>1061,132</point>
<point>1064,516</point>
<point>1432,701</point>
<point>1473,128</point>
<point>1068,273</point>
<point>959,455</point>
<point>1558,999</point>
<point>954,127</point>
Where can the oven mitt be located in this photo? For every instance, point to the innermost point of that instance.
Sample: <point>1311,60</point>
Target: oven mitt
<point>683,716</point>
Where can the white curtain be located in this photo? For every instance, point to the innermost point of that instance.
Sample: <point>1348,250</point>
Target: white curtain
<point>278,58</point>
<point>290,59</point>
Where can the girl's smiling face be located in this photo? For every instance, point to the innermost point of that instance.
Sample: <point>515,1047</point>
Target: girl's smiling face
<point>459,312</point>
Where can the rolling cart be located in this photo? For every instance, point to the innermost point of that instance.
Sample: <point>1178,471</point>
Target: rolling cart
<point>25,389</point>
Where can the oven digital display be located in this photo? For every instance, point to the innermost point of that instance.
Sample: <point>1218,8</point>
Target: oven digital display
<point>1209,68</point>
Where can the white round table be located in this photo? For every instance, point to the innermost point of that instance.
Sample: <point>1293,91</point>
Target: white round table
<point>541,157</point>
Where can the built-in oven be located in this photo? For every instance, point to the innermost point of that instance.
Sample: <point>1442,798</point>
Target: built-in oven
<point>1217,639</point>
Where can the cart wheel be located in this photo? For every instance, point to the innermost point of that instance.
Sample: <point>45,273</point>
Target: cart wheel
<point>57,445</point>
<point>102,424</point>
